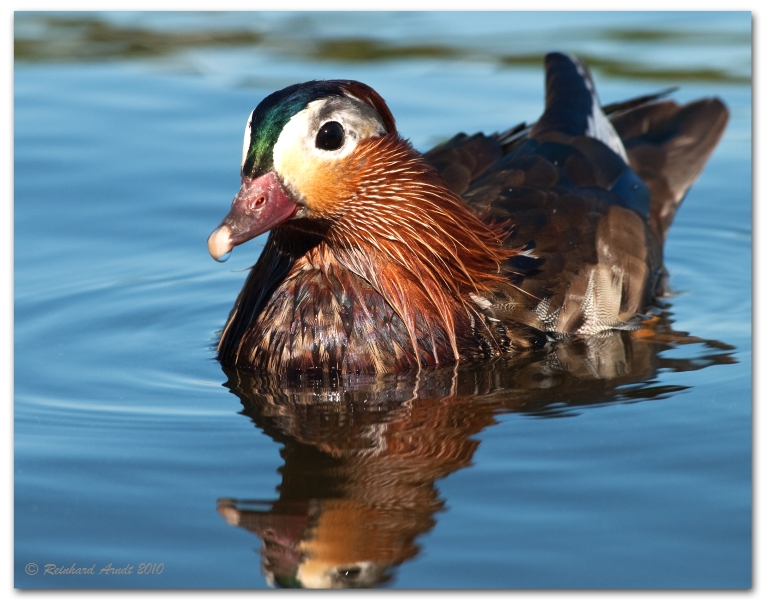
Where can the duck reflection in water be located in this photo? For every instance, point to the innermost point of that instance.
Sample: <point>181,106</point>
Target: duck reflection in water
<point>362,454</point>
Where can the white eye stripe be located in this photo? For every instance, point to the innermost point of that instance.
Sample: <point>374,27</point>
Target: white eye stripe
<point>246,141</point>
<point>295,152</point>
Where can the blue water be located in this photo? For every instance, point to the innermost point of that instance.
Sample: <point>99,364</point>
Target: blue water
<point>133,447</point>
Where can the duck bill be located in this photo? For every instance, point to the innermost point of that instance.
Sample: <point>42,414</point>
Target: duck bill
<point>260,204</point>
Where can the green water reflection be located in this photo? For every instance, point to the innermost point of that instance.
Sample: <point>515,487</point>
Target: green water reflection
<point>80,37</point>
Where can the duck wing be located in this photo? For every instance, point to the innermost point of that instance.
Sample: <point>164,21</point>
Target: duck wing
<point>667,146</point>
<point>461,160</point>
<point>589,199</point>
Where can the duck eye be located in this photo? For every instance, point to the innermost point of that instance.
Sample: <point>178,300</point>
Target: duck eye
<point>330,136</point>
<point>350,573</point>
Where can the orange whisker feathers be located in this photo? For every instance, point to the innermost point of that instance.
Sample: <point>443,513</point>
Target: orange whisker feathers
<point>416,242</point>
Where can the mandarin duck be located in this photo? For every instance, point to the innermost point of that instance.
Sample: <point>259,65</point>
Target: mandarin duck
<point>382,259</point>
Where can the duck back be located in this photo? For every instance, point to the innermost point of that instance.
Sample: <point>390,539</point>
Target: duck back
<point>589,199</point>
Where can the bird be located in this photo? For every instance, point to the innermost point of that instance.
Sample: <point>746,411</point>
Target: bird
<point>380,259</point>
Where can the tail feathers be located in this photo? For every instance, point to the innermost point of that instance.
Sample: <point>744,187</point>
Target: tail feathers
<point>571,104</point>
<point>616,108</point>
<point>668,146</point>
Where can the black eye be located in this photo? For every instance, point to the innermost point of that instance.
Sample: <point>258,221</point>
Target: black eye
<point>350,573</point>
<point>330,136</point>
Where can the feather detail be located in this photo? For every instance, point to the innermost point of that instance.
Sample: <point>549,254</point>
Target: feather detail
<point>400,247</point>
<point>416,242</point>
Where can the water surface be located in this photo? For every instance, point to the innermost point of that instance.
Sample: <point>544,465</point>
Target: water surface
<point>619,463</point>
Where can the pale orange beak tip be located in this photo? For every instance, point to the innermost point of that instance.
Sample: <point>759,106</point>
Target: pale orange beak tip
<point>219,243</point>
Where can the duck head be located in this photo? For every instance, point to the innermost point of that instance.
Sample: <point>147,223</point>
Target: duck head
<point>303,146</point>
